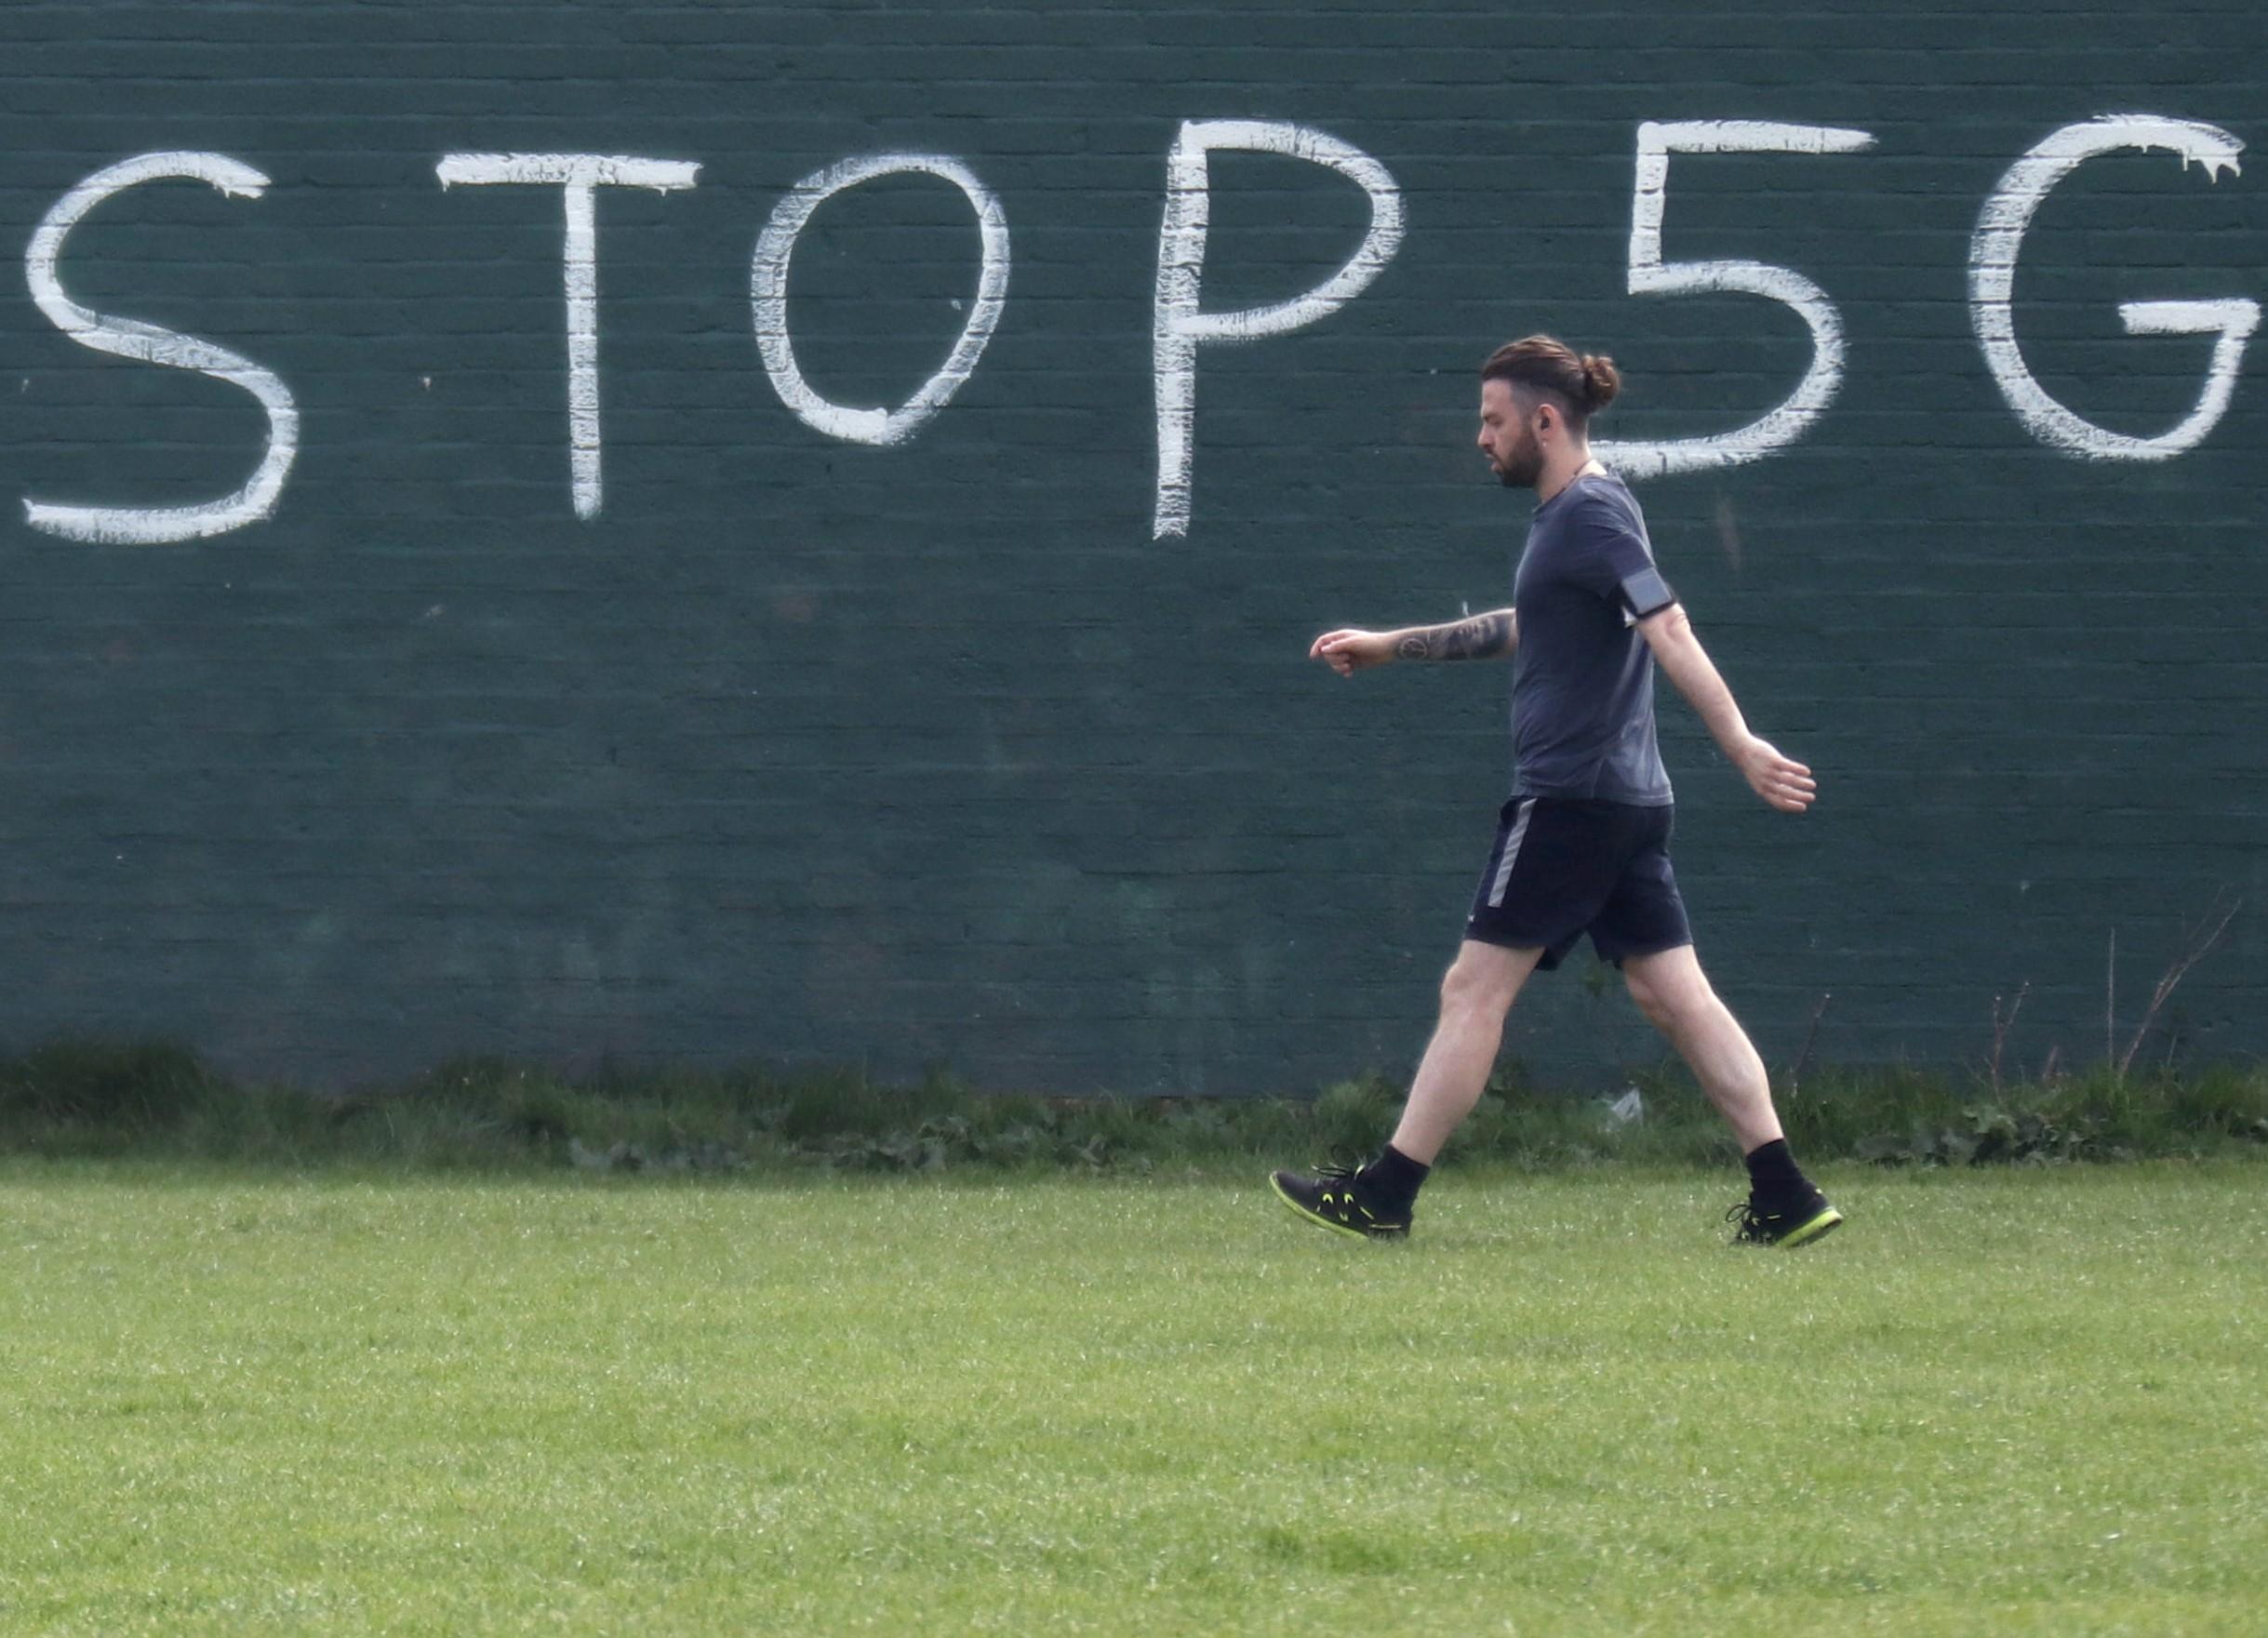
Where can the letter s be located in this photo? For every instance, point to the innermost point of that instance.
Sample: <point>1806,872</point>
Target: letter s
<point>129,339</point>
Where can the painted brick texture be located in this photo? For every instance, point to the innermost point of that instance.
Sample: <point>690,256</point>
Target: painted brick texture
<point>937,752</point>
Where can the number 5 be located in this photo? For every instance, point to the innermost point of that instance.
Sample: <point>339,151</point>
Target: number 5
<point>1649,275</point>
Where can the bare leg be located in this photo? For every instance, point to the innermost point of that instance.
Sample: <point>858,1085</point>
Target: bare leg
<point>1476,993</point>
<point>1674,993</point>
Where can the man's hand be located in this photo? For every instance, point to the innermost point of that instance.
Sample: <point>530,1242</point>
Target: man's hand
<point>1352,650</point>
<point>1783,782</point>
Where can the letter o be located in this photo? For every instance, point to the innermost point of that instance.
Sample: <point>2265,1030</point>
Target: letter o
<point>768,294</point>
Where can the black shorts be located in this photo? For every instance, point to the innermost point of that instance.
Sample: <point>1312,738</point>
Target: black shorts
<point>1563,867</point>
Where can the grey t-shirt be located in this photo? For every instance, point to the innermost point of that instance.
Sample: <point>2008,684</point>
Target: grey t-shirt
<point>1582,683</point>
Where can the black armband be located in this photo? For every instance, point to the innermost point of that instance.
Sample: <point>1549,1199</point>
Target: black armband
<point>1646,593</point>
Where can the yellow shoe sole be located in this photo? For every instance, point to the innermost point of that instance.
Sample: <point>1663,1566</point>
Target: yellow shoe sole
<point>1805,1232</point>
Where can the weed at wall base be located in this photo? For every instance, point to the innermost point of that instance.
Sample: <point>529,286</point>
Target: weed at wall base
<point>83,1099</point>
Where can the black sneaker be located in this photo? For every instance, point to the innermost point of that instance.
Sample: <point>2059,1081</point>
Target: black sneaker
<point>1798,1224</point>
<point>1335,1199</point>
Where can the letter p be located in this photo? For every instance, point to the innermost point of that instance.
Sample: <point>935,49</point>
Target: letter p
<point>1179,325</point>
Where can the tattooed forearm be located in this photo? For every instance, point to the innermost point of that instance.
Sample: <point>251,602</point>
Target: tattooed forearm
<point>1484,636</point>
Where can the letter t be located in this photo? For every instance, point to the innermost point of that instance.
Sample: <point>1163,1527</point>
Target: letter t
<point>578,174</point>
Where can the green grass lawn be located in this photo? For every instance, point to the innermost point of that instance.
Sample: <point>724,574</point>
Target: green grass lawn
<point>2029,1400</point>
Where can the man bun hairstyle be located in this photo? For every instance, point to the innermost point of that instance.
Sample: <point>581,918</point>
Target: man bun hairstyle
<point>1581,383</point>
<point>1604,379</point>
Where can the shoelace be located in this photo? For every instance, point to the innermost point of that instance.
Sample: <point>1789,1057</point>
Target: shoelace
<point>1343,1206</point>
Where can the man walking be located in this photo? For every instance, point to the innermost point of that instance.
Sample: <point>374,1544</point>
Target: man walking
<point>1584,845</point>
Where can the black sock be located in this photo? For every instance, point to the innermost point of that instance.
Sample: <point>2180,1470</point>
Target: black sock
<point>1772,1174</point>
<point>1395,1176</point>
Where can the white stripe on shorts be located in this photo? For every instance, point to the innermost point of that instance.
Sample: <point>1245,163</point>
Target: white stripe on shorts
<point>1512,851</point>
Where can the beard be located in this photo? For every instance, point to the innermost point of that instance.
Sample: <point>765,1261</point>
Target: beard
<point>1522,465</point>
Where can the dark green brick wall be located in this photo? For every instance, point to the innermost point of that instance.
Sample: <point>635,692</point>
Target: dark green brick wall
<point>804,749</point>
